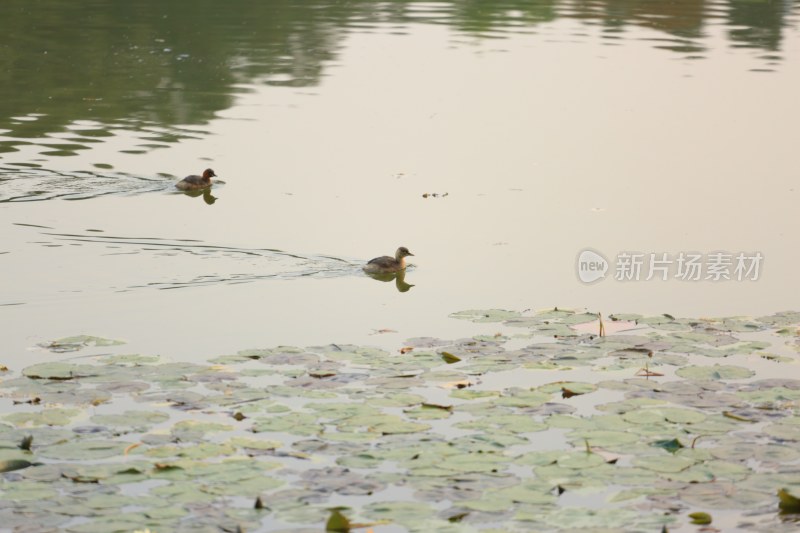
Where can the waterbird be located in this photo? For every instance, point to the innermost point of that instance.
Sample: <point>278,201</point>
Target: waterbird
<point>192,183</point>
<point>386,264</point>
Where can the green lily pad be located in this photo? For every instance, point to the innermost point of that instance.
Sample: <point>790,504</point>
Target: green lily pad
<point>472,394</point>
<point>83,450</point>
<point>575,518</point>
<point>485,315</point>
<point>488,504</point>
<point>399,427</point>
<point>663,414</point>
<point>510,423</point>
<point>406,513</point>
<point>533,492</point>
<point>47,417</point>
<point>517,397</point>
<point>580,460</point>
<point>715,372</point>
<point>663,463</point>
<point>573,387</point>
<point>133,419</point>
<point>295,423</point>
<point>78,342</point>
<point>603,438</point>
<point>783,431</point>
<point>58,370</point>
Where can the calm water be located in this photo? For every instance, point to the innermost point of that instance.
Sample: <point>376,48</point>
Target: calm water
<point>635,126</point>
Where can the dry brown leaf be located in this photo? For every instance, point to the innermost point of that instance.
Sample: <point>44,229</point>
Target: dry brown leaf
<point>648,373</point>
<point>131,447</point>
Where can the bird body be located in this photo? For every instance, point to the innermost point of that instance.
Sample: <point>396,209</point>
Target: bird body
<point>192,183</point>
<point>386,264</point>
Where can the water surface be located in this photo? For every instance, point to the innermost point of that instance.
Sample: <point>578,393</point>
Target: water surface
<point>550,126</point>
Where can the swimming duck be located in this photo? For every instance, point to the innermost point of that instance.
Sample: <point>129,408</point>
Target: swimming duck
<point>386,264</point>
<point>192,183</point>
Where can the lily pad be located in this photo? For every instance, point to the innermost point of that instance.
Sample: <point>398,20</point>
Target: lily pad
<point>9,465</point>
<point>142,420</point>
<point>58,370</point>
<point>78,342</point>
<point>663,463</point>
<point>485,315</point>
<point>701,519</point>
<point>83,450</point>
<point>715,372</point>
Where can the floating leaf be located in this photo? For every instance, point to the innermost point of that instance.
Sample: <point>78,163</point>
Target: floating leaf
<point>574,388</point>
<point>700,519</point>
<point>83,450</point>
<point>472,394</point>
<point>663,414</point>
<point>47,417</point>
<point>671,445</point>
<point>714,372</point>
<point>605,438</point>
<point>783,431</point>
<point>71,344</point>
<point>580,460</point>
<point>337,522</point>
<point>663,463</point>
<point>450,358</point>
<point>488,315</point>
<point>58,370</point>
<point>132,419</point>
<point>14,464</point>
<point>399,427</point>
<point>788,503</point>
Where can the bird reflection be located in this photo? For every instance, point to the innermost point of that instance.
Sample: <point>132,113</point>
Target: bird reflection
<point>205,193</point>
<point>398,277</point>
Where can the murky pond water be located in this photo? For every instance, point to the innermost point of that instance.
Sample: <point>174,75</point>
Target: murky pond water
<point>551,126</point>
<point>496,140</point>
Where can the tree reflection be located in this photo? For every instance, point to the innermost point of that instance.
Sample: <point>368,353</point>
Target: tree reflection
<point>150,66</point>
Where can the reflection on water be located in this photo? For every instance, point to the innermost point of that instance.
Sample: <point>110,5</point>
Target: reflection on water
<point>399,279</point>
<point>77,73</point>
<point>205,193</point>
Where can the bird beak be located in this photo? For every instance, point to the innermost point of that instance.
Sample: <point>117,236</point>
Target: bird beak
<point>409,253</point>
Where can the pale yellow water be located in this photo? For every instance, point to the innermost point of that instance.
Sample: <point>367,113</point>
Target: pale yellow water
<point>550,132</point>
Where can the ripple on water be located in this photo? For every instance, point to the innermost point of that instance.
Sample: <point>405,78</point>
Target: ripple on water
<point>28,182</point>
<point>232,265</point>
